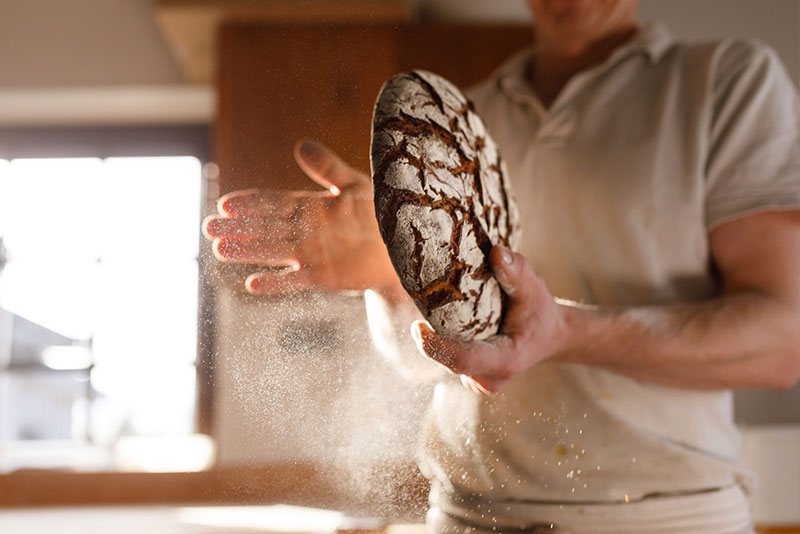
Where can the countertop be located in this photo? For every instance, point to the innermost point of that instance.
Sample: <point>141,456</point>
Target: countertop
<point>277,519</point>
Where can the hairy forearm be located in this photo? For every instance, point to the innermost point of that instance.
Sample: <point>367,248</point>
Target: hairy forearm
<point>741,340</point>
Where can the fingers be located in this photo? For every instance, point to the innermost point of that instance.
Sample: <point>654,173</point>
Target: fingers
<point>279,282</point>
<point>267,253</point>
<point>267,203</point>
<point>247,229</point>
<point>267,215</point>
<point>326,168</point>
<point>507,267</point>
<point>520,284</point>
<point>474,385</point>
<point>292,229</point>
<point>490,357</point>
<point>434,347</point>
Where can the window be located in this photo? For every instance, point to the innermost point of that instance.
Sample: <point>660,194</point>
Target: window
<point>98,313</point>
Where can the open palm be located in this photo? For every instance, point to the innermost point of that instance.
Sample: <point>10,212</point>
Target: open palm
<point>327,239</point>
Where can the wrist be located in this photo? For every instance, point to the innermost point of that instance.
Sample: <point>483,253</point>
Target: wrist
<point>392,291</point>
<point>571,326</point>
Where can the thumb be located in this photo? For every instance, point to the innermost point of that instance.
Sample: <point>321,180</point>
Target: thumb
<point>325,167</point>
<point>519,283</point>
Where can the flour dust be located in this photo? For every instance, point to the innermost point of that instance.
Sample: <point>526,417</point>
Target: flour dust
<point>298,380</point>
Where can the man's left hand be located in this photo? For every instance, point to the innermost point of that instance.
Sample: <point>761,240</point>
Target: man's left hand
<point>532,330</point>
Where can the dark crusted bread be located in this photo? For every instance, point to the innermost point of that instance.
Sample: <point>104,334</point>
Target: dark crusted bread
<point>442,200</point>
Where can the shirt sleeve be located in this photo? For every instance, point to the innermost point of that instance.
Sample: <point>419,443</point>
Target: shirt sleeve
<point>753,161</point>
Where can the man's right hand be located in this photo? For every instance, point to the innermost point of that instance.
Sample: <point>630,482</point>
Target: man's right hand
<point>323,240</point>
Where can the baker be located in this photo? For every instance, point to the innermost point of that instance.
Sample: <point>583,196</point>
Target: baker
<point>659,192</point>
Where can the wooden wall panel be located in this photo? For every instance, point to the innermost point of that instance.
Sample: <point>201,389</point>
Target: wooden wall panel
<point>463,54</point>
<point>281,83</point>
<point>299,484</point>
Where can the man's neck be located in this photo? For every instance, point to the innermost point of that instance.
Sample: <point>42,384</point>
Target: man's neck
<point>556,61</point>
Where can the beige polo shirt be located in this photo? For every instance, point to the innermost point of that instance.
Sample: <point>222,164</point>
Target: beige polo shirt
<point>619,183</point>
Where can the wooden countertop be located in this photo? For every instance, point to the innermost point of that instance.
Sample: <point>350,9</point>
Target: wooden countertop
<point>274,519</point>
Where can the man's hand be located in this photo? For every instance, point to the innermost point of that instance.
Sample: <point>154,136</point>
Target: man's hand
<point>532,330</point>
<point>326,240</point>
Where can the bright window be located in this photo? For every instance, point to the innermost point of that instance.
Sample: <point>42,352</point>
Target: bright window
<point>98,313</point>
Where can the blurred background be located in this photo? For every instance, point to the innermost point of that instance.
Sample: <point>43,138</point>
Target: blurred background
<point>133,369</point>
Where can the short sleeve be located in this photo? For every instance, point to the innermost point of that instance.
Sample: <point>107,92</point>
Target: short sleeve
<point>753,161</point>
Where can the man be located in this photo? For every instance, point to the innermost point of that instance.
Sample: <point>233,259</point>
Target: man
<point>659,189</point>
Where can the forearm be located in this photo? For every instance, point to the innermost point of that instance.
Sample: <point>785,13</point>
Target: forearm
<point>740,340</point>
<point>389,315</point>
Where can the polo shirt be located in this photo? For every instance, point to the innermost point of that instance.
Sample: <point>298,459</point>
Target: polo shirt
<point>619,183</point>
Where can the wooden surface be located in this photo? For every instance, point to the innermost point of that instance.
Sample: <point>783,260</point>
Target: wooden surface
<point>192,520</point>
<point>403,491</point>
<point>282,83</point>
<point>66,503</point>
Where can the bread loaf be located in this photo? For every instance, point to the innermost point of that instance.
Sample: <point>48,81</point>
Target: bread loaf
<point>442,200</point>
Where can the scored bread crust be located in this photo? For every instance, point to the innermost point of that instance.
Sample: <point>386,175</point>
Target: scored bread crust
<point>442,200</point>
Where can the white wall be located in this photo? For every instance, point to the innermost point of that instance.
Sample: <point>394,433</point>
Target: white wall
<point>775,22</point>
<point>58,43</point>
<point>91,62</point>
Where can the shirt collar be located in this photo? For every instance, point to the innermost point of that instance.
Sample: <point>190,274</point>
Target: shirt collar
<point>653,39</point>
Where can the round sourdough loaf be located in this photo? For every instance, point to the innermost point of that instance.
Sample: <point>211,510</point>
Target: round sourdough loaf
<point>442,200</point>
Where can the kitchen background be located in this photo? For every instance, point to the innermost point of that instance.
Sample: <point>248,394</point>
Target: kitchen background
<point>275,382</point>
